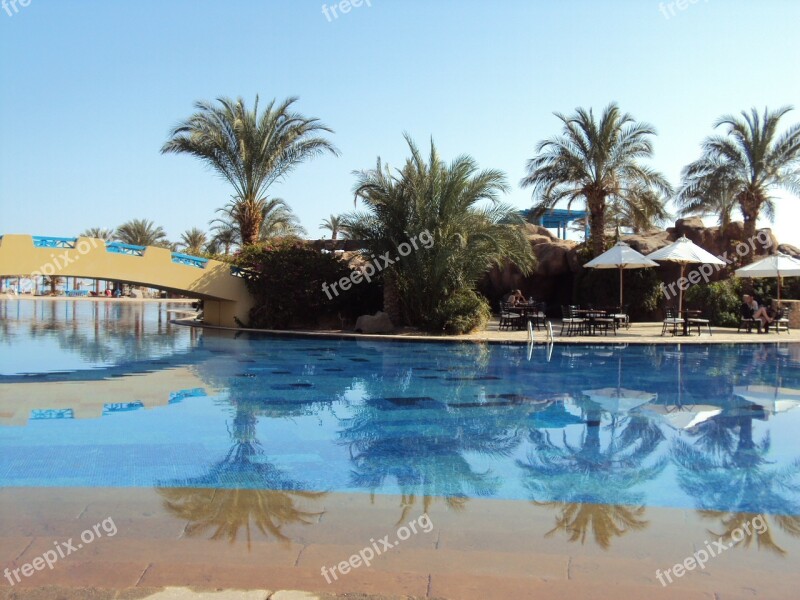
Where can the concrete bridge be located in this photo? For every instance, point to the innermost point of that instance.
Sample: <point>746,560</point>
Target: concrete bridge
<point>221,286</point>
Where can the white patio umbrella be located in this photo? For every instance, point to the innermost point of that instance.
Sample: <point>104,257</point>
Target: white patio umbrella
<point>778,265</point>
<point>621,257</point>
<point>772,399</point>
<point>683,417</point>
<point>619,400</point>
<point>684,252</point>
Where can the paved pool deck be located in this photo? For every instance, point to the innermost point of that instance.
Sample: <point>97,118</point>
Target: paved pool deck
<point>485,549</point>
<point>638,333</point>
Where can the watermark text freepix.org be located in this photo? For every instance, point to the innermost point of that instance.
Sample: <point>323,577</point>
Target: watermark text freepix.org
<point>367,554</point>
<point>343,7</point>
<point>378,264</point>
<point>63,549</point>
<point>712,550</point>
<point>668,8</point>
<point>704,272</point>
<point>11,7</point>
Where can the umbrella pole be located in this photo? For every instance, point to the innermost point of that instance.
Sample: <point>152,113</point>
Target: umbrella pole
<point>680,292</point>
<point>621,271</point>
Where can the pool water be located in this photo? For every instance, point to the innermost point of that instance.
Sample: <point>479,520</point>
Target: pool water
<point>693,426</point>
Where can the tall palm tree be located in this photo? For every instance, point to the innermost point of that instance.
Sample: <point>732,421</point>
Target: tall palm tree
<point>107,235</point>
<point>193,241</point>
<point>459,207</point>
<point>141,232</point>
<point>598,162</point>
<point>334,224</point>
<point>249,149</point>
<point>748,163</point>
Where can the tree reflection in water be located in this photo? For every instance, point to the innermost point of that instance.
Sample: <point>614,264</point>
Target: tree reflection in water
<point>594,481</point>
<point>725,466</point>
<point>241,489</point>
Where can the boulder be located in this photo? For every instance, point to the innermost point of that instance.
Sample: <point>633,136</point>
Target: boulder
<point>377,323</point>
<point>552,258</point>
<point>537,230</point>
<point>790,250</point>
<point>648,242</point>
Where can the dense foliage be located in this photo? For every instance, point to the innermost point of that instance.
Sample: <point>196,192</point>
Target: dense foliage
<point>286,280</point>
<point>720,301</point>
<point>455,212</point>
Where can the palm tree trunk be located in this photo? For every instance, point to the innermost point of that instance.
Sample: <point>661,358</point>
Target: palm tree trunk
<point>391,298</point>
<point>750,214</point>
<point>597,225</point>
<point>250,231</point>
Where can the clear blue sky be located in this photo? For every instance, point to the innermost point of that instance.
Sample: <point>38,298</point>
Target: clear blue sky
<point>89,90</point>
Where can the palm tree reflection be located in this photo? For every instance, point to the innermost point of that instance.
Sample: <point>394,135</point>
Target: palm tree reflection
<point>241,489</point>
<point>726,467</point>
<point>427,462</point>
<point>594,482</point>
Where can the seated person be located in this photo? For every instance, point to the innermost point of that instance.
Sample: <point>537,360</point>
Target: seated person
<point>751,310</point>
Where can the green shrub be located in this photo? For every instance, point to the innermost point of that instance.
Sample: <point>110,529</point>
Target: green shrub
<point>720,301</point>
<point>286,282</point>
<point>463,312</point>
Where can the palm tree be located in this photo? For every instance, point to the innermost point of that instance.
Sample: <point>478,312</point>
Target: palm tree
<point>746,165</point>
<point>250,150</point>
<point>599,163</point>
<point>460,209</point>
<point>141,232</point>
<point>277,220</point>
<point>107,235</point>
<point>709,200</point>
<point>334,224</point>
<point>224,236</point>
<point>193,241</point>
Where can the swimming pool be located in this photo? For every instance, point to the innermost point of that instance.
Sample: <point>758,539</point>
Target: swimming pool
<point>704,427</point>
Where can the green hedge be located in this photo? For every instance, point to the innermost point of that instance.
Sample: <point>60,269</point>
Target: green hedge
<point>286,282</point>
<point>720,301</point>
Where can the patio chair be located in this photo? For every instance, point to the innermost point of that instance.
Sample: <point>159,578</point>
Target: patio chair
<point>781,322</point>
<point>620,316</point>
<point>605,324</point>
<point>700,322</point>
<point>570,321</point>
<point>508,319</point>
<point>746,321</point>
<point>536,316</point>
<point>671,321</point>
